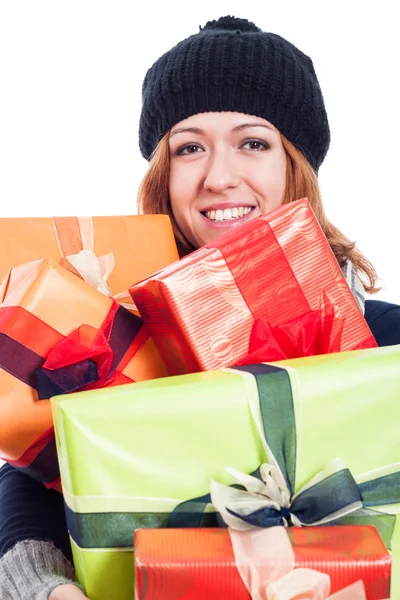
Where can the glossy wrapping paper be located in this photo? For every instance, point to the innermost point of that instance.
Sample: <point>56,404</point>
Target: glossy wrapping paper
<point>41,306</point>
<point>150,449</point>
<point>194,564</point>
<point>141,244</point>
<point>280,273</point>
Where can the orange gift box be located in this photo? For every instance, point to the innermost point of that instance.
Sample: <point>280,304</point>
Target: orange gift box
<point>268,291</point>
<point>194,564</point>
<point>58,335</point>
<point>141,244</point>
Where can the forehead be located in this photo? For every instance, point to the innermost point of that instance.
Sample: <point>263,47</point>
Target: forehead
<point>221,121</point>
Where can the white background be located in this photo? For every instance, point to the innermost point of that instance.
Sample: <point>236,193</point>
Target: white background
<point>70,93</point>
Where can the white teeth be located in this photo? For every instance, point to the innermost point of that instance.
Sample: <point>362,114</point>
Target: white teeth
<point>228,214</point>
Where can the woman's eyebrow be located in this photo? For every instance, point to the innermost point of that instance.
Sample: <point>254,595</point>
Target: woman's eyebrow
<point>187,130</point>
<point>246,125</point>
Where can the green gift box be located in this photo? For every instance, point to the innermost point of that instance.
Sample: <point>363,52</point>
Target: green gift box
<point>144,454</point>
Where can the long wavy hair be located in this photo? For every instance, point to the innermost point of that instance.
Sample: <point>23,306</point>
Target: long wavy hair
<point>301,182</point>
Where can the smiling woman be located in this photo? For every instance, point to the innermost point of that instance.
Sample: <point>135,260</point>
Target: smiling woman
<point>234,124</point>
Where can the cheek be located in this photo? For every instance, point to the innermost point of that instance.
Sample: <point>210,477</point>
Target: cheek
<point>176,190</point>
<point>183,190</point>
<point>273,180</point>
<point>180,200</point>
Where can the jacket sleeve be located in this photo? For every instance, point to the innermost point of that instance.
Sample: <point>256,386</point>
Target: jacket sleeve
<point>383,319</point>
<point>35,553</point>
<point>29,511</point>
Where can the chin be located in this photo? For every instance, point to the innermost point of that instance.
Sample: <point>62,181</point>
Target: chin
<point>210,236</point>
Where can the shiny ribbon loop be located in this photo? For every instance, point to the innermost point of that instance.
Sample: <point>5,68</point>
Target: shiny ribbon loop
<point>80,361</point>
<point>95,270</point>
<point>75,238</point>
<point>330,495</point>
<point>312,333</point>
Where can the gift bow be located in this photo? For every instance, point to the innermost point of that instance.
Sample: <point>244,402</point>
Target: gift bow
<point>267,501</point>
<point>275,576</point>
<point>312,333</point>
<point>81,361</point>
<point>95,270</point>
<point>77,233</point>
<point>333,495</point>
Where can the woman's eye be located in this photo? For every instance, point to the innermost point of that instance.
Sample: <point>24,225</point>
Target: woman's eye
<point>256,145</point>
<point>189,149</point>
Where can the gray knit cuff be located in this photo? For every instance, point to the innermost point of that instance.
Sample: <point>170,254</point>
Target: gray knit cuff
<point>32,569</point>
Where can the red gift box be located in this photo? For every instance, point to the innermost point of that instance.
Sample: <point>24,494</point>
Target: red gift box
<point>199,564</point>
<point>277,282</point>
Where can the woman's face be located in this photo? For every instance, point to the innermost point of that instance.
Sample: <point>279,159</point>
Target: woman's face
<point>225,169</point>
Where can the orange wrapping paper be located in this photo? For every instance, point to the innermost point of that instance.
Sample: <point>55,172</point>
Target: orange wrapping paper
<point>63,302</point>
<point>141,244</point>
<point>274,270</point>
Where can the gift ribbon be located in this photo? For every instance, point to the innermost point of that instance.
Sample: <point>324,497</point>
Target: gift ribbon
<point>266,563</point>
<point>332,496</point>
<point>292,292</point>
<point>81,361</point>
<point>87,358</point>
<point>312,333</point>
<point>267,501</point>
<point>75,238</point>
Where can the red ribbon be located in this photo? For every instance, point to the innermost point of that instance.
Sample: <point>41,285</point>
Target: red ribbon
<point>312,333</point>
<point>81,361</point>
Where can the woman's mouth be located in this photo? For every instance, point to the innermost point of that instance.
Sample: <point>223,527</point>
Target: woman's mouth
<point>227,214</point>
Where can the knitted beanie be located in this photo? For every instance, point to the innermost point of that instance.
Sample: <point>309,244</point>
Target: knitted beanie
<point>231,65</point>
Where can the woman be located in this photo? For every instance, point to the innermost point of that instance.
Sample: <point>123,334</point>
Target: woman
<point>234,125</point>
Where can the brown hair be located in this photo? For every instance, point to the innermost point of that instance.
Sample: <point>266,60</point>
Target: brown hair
<point>301,182</point>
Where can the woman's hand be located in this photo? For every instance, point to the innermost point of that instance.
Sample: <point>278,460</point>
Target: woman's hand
<point>67,591</point>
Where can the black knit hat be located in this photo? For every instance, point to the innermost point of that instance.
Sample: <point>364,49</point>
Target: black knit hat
<point>231,65</point>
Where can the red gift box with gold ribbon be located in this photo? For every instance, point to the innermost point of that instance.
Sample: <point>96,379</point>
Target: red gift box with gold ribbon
<point>270,290</point>
<point>337,562</point>
<point>59,335</point>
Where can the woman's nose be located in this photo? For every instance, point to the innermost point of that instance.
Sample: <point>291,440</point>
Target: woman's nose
<point>221,173</point>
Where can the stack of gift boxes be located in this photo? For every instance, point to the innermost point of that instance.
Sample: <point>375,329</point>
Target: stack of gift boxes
<point>225,429</point>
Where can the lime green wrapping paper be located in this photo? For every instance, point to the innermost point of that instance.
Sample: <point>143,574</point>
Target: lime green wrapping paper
<point>130,454</point>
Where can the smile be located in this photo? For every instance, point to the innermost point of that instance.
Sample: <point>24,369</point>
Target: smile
<point>228,214</point>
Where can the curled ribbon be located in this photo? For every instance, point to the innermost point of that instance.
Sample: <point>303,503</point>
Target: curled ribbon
<point>315,332</point>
